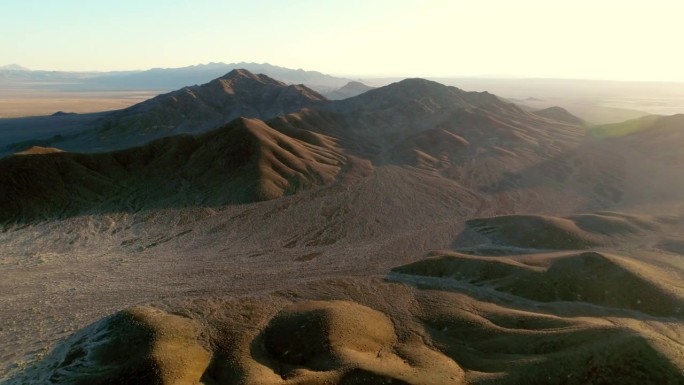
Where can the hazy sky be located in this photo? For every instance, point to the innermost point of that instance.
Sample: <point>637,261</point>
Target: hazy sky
<point>630,40</point>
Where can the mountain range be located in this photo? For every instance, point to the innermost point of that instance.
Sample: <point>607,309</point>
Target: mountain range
<point>13,67</point>
<point>485,144</point>
<point>249,231</point>
<point>162,79</point>
<point>414,122</point>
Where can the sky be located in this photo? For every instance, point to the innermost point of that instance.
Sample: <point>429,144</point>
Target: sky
<point>597,39</point>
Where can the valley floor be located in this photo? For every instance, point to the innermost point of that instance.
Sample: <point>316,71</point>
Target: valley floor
<point>327,244</point>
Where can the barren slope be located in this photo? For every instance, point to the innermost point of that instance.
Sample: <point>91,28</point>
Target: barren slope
<point>244,161</point>
<point>365,331</point>
<point>192,109</point>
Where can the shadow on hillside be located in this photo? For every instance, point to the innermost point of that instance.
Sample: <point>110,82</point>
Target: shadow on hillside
<point>587,170</point>
<point>18,134</point>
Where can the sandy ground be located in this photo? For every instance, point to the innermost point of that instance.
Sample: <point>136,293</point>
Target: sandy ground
<point>18,103</point>
<point>59,277</point>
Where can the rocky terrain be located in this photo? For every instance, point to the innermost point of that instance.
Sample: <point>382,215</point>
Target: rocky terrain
<point>413,234</point>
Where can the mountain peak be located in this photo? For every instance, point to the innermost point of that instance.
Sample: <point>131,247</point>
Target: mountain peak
<point>351,89</point>
<point>199,108</point>
<point>559,114</point>
<point>241,74</point>
<point>415,86</point>
<point>354,83</point>
<point>427,93</point>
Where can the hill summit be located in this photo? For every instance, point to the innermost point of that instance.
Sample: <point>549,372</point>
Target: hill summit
<point>199,108</point>
<point>349,90</point>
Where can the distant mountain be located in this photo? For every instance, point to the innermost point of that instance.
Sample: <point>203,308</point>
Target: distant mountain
<point>162,79</point>
<point>349,90</point>
<point>560,114</point>
<point>194,109</point>
<point>14,67</point>
<point>54,80</point>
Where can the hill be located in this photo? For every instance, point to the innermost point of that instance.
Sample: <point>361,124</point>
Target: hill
<point>349,90</point>
<point>365,331</point>
<point>194,109</point>
<point>561,115</point>
<point>244,161</point>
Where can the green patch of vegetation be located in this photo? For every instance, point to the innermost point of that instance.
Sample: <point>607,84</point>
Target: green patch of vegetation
<point>624,128</point>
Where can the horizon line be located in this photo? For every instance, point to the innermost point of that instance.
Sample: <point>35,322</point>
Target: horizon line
<point>351,76</point>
